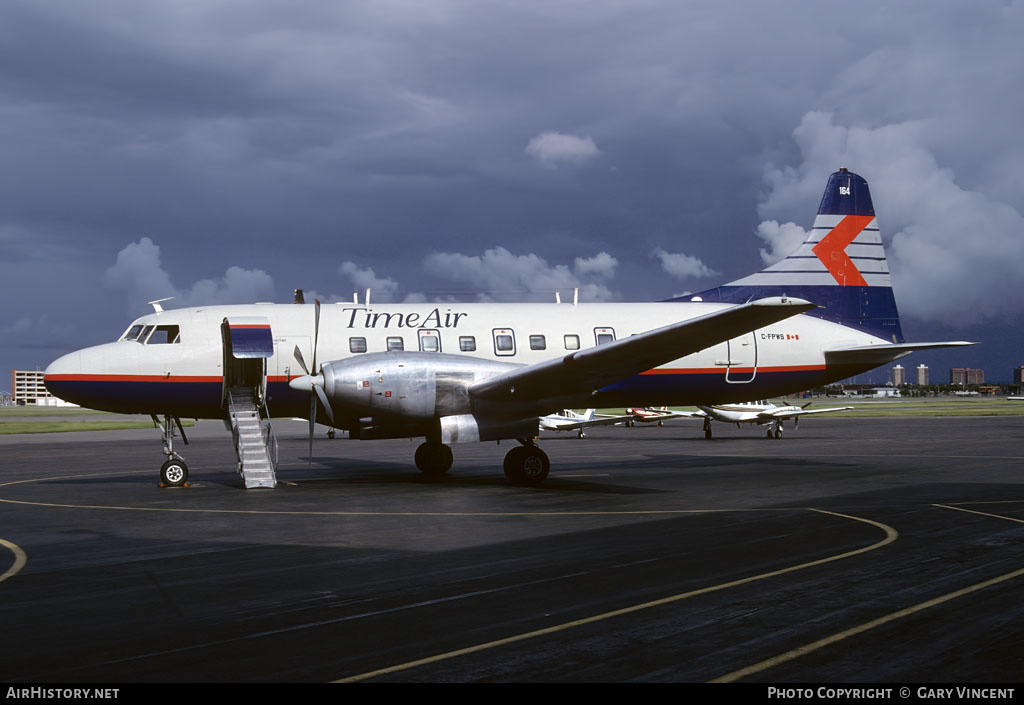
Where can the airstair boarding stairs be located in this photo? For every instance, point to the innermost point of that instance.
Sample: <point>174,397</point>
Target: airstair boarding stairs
<point>255,443</point>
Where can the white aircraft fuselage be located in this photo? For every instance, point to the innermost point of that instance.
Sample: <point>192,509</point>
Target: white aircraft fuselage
<point>185,378</point>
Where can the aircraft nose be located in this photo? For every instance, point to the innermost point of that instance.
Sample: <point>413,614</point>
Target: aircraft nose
<point>61,372</point>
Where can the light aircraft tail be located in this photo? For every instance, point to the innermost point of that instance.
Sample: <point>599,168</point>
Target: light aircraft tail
<point>841,266</point>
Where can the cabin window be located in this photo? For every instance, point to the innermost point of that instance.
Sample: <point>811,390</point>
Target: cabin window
<point>132,333</point>
<point>537,342</point>
<point>604,335</point>
<point>144,334</point>
<point>430,341</point>
<point>467,343</point>
<point>504,342</point>
<point>164,335</point>
<point>572,342</point>
<point>357,345</point>
<point>396,343</point>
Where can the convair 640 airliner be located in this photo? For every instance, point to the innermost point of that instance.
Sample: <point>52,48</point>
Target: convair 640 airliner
<point>454,373</point>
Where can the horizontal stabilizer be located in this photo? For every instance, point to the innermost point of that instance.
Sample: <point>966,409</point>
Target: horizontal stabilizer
<point>880,354</point>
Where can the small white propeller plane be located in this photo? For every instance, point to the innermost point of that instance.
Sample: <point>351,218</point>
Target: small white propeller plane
<point>763,413</point>
<point>455,373</point>
<point>569,420</point>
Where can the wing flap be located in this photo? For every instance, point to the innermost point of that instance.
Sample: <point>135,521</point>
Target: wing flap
<point>588,370</point>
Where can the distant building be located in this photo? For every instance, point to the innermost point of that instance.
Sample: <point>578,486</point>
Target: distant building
<point>899,376</point>
<point>27,389</point>
<point>966,375</point>
<point>884,392</point>
<point>922,375</point>
<point>1018,375</point>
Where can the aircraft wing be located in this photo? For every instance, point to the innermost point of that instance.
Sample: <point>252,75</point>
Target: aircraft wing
<point>586,371</point>
<point>880,354</point>
<point>780,414</point>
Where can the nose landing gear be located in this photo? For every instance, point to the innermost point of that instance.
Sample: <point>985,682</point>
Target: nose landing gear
<point>174,472</point>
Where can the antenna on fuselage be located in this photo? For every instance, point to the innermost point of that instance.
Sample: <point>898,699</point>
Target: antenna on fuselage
<point>575,296</point>
<point>558,298</point>
<point>367,302</point>
<point>299,298</point>
<point>156,304</point>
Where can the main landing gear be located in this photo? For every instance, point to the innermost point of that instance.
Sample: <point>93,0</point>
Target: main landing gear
<point>174,472</point>
<point>526,464</point>
<point>774,430</point>
<point>433,459</point>
<point>707,427</point>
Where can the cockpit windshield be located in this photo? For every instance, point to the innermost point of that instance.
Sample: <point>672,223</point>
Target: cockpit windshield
<point>153,335</point>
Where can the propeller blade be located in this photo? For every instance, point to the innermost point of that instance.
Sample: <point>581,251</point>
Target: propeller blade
<point>323,400</point>
<point>316,331</point>
<point>312,424</point>
<point>300,360</point>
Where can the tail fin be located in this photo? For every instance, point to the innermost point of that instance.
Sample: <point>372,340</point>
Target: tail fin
<point>841,267</point>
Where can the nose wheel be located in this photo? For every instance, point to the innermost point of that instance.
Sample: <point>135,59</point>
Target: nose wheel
<point>174,472</point>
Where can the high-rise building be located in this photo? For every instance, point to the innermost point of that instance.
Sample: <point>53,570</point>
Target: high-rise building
<point>922,375</point>
<point>899,376</point>
<point>966,375</point>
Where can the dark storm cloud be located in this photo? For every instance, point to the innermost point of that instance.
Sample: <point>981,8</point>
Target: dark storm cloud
<point>232,149</point>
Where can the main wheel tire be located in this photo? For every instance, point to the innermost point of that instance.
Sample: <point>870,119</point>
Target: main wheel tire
<point>526,465</point>
<point>707,434</point>
<point>433,459</point>
<point>174,473</point>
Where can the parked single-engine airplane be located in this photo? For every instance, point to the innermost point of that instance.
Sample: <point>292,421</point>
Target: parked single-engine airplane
<point>761,412</point>
<point>453,373</point>
<point>569,420</point>
<point>649,414</point>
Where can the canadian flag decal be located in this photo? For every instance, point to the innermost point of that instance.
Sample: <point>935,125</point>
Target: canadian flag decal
<point>832,250</point>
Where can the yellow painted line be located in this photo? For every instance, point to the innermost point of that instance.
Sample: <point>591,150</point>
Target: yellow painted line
<point>180,510</point>
<point>984,514</point>
<point>821,643</point>
<point>115,507</point>
<point>19,559</point>
<point>890,535</point>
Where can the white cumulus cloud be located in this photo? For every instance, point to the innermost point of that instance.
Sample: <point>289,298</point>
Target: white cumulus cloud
<point>552,149</point>
<point>498,271</point>
<point>682,265</point>
<point>139,275</point>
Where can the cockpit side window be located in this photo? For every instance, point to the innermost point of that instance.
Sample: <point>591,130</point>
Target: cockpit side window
<point>144,334</point>
<point>164,335</point>
<point>133,332</point>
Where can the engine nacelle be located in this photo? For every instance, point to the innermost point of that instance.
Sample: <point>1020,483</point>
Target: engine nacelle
<point>409,385</point>
<point>466,428</point>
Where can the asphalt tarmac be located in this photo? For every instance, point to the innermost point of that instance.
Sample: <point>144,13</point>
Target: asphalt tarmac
<point>849,551</point>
